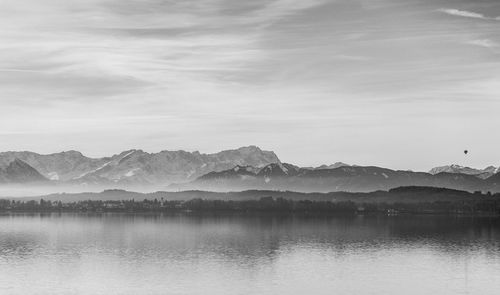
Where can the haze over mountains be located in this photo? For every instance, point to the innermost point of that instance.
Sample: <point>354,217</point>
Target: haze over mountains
<point>231,170</point>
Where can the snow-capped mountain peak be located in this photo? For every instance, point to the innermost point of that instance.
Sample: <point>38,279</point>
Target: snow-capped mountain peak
<point>454,168</point>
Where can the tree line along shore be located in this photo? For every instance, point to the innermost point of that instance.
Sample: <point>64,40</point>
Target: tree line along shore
<point>403,200</point>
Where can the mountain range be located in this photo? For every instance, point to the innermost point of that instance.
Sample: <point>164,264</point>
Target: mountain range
<point>282,176</point>
<point>136,166</point>
<point>231,170</point>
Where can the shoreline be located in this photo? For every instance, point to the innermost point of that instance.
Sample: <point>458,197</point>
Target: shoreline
<point>273,213</point>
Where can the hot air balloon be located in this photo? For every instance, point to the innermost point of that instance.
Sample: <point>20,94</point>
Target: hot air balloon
<point>466,152</point>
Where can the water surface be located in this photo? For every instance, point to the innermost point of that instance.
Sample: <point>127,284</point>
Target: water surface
<point>251,254</point>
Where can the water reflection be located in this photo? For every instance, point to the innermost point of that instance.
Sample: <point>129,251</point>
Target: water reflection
<point>247,254</point>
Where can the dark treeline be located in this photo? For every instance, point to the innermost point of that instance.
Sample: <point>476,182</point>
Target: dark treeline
<point>479,206</point>
<point>263,204</point>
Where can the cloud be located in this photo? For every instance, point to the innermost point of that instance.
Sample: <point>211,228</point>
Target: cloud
<point>484,43</point>
<point>165,74</point>
<point>463,13</point>
<point>278,9</point>
<point>91,50</point>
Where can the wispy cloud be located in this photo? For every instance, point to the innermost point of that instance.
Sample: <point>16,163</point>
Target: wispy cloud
<point>465,13</point>
<point>132,43</point>
<point>484,43</point>
<point>74,69</point>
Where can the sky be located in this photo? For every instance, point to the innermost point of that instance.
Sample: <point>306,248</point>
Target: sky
<point>404,84</point>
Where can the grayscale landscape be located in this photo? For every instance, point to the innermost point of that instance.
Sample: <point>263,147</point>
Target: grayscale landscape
<point>219,147</point>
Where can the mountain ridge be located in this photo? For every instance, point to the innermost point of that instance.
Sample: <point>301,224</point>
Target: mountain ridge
<point>454,168</point>
<point>285,176</point>
<point>19,171</point>
<point>238,169</point>
<point>137,166</point>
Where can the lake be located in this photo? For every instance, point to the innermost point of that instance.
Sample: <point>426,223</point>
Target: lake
<point>248,254</point>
